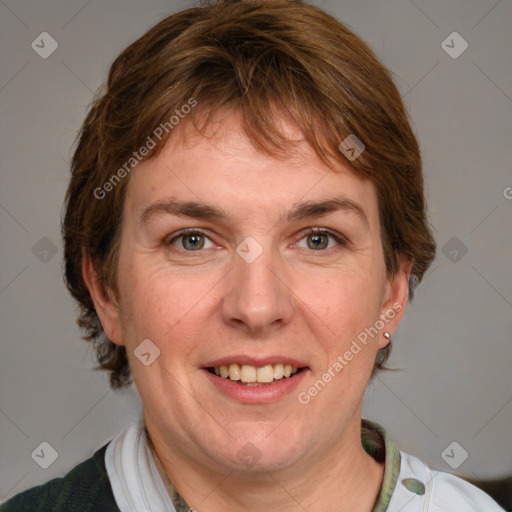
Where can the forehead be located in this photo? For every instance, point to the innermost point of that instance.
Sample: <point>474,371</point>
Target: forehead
<point>224,167</point>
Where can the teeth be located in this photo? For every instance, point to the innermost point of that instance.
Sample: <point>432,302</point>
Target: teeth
<point>251,375</point>
<point>234,372</point>
<point>278,371</point>
<point>248,373</point>
<point>265,374</point>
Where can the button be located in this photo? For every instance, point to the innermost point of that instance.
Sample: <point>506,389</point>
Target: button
<point>413,485</point>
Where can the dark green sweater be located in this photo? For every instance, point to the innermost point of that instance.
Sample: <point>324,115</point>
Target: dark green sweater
<point>86,488</point>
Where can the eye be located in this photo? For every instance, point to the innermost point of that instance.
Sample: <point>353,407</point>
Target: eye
<point>318,239</point>
<point>191,240</point>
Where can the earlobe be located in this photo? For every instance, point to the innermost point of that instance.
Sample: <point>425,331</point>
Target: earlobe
<point>105,304</point>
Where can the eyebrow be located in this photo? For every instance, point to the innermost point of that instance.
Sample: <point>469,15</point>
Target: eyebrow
<point>300,211</point>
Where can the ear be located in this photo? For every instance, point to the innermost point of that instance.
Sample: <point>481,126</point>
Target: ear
<point>396,297</point>
<point>104,301</point>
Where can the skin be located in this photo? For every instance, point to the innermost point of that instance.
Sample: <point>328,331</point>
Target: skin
<point>293,300</point>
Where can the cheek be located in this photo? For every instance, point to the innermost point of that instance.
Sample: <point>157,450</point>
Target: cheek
<point>346,303</point>
<point>346,306</point>
<point>349,308</point>
<point>163,306</point>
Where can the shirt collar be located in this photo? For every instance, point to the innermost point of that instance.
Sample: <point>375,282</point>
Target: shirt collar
<point>378,444</point>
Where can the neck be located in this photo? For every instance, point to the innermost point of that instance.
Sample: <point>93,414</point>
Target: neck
<point>344,478</point>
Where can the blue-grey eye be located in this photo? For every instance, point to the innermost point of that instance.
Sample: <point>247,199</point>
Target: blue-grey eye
<point>191,241</point>
<point>320,240</point>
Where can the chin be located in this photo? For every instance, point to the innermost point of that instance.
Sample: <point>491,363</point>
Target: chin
<point>261,453</point>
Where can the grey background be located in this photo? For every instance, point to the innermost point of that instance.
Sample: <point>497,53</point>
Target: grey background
<point>454,346</point>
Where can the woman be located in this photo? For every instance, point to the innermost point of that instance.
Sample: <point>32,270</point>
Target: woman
<point>245,224</point>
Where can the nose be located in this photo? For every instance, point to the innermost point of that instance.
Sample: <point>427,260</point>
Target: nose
<point>257,296</point>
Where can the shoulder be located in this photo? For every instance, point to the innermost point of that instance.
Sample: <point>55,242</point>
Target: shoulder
<point>85,488</point>
<point>441,492</point>
<point>449,491</point>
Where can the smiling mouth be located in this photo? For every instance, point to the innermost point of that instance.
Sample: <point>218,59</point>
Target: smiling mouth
<point>248,375</point>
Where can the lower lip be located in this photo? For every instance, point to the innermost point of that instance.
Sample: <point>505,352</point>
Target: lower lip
<point>264,394</point>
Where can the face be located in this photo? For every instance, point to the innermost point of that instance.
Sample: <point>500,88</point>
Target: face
<point>237,266</point>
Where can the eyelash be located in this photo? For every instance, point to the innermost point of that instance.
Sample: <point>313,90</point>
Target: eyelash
<point>337,237</point>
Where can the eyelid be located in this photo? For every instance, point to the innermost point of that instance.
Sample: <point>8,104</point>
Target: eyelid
<point>338,237</point>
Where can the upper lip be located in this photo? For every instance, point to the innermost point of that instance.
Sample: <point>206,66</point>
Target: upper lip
<point>258,362</point>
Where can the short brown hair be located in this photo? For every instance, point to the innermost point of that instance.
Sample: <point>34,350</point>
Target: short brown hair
<point>265,60</point>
